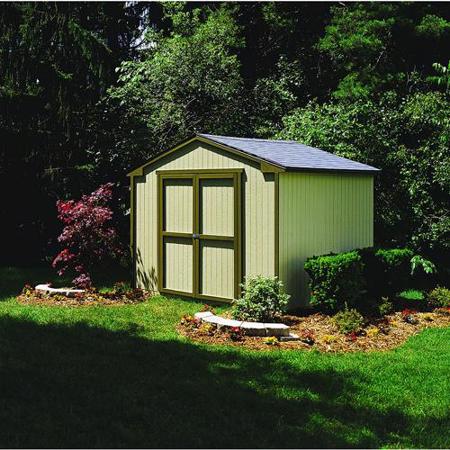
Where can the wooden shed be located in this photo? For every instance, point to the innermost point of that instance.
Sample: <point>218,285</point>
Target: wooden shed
<point>215,209</point>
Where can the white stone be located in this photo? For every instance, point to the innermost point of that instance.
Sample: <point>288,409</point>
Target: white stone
<point>203,314</point>
<point>233,323</point>
<point>68,292</point>
<point>250,328</point>
<point>276,329</point>
<point>219,321</point>
<point>254,328</point>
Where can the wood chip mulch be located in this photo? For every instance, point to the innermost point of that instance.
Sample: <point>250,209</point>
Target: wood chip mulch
<point>82,301</point>
<point>377,335</point>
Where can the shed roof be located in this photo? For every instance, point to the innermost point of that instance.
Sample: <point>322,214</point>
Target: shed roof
<point>278,154</point>
<point>291,155</point>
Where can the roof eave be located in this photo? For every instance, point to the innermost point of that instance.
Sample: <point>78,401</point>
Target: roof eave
<point>373,171</point>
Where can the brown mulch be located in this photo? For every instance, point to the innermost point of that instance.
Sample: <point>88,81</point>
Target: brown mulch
<point>377,335</point>
<point>88,299</point>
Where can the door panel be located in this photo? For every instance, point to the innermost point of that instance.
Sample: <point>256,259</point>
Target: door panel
<point>217,206</point>
<point>199,242</point>
<point>217,268</point>
<point>178,264</point>
<point>177,217</point>
<point>178,205</point>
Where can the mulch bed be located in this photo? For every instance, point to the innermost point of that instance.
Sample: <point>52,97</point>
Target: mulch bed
<point>322,335</point>
<point>131,296</point>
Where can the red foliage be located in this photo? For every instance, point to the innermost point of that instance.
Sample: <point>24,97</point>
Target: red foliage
<point>353,336</point>
<point>87,236</point>
<point>408,312</point>
<point>236,334</point>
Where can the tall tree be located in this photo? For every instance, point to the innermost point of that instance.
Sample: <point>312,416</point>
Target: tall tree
<point>184,81</point>
<point>57,59</point>
<point>374,47</point>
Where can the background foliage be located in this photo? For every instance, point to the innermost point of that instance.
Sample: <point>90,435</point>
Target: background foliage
<point>89,90</point>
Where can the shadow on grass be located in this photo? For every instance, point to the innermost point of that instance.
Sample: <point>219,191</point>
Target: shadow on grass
<point>81,386</point>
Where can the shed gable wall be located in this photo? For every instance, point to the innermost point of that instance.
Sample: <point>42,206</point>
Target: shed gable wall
<point>320,213</point>
<point>258,192</point>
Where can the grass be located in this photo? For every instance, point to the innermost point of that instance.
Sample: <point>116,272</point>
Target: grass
<point>122,377</point>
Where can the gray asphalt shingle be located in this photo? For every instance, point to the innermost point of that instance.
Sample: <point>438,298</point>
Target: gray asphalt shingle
<point>291,154</point>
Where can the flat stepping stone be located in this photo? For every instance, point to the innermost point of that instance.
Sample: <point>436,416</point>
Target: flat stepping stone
<point>276,329</point>
<point>203,314</point>
<point>254,328</point>
<point>68,292</point>
<point>250,328</point>
<point>290,337</point>
<point>222,322</point>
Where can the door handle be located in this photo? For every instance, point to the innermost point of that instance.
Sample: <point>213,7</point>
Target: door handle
<point>195,236</point>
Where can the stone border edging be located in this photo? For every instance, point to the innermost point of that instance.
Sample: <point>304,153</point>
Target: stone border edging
<point>250,328</point>
<point>68,292</point>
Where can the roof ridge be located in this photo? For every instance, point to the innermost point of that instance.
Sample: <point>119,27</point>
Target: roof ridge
<point>285,141</point>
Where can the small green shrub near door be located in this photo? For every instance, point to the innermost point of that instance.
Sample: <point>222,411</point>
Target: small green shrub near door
<point>348,321</point>
<point>263,300</point>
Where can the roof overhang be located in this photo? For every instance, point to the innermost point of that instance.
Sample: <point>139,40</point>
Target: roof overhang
<point>265,166</point>
<point>320,170</point>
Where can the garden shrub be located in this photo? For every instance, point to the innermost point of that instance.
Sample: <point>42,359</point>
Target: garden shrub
<point>393,271</point>
<point>385,307</point>
<point>88,237</point>
<point>263,300</point>
<point>439,297</point>
<point>412,295</point>
<point>386,271</point>
<point>336,279</point>
<point>348,321</point>
<point>362,277</point>
<point>411,298</point>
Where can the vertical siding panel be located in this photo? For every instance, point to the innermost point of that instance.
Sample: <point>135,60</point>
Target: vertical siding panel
<point>321,213</point>
<point>139,265</point>
<point>146,208</point>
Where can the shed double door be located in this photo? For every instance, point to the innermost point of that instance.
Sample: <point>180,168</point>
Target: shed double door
<point>199,234</point>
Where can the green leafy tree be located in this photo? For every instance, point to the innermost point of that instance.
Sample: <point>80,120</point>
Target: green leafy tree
<point>424,161</point>
<point>442,79</point>
<point>183,82</point>
<point>380,46</point>
<point>56,61</point>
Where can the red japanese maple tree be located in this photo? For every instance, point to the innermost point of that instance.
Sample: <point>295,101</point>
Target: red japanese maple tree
<point>88,236</point>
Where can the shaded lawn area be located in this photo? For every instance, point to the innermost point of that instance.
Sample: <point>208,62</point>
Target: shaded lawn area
<point>122,377</point>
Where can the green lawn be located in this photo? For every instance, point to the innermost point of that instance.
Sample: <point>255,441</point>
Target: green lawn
<point>122,377</point>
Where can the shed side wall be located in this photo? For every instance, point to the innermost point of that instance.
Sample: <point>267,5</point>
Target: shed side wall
<point>320,213</point>
<point>258,191</point>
